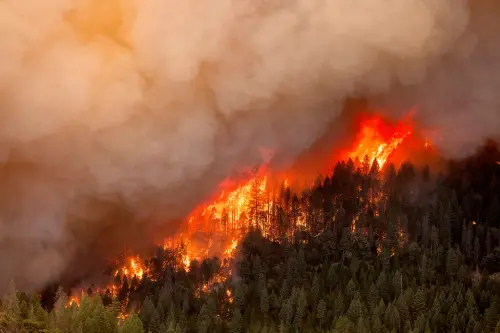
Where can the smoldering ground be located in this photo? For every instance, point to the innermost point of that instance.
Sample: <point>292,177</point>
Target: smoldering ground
<point>125,114</point>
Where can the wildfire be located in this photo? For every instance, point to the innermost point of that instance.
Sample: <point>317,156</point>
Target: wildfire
<point>234,205</point>
<point>237,210</point>
<point>378,141</point>
<point>73,300</point>
<point>186,261</point>
<point>248,205</point>
<point>132,268</point>
<point>230,251</point>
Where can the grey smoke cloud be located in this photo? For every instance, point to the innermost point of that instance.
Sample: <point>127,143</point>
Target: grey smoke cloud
<point>151,103</point>
<point>458,105</point>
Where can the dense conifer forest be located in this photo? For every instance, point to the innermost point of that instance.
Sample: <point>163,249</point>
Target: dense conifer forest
<point>397,250</point>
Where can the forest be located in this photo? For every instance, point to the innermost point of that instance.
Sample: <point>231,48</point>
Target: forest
<point>401,249</point>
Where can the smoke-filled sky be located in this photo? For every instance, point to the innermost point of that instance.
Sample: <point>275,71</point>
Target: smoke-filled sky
<point>118,116</point>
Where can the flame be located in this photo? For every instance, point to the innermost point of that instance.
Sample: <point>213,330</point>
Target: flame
<point>238,209</point>
<point>230,250</point>
<point>73,300</point>
<point>133,267</point>
<point>186,261</point>
<point>245,205</point>
<point>378,140</point>
<point>137,270</point>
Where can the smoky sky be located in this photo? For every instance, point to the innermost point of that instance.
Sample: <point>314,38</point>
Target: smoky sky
<point>119,116</point>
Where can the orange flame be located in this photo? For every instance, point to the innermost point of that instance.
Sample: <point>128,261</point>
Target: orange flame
<point>133,268</point>
<point>379,140</point>
<point>73,300</point>
<point>239,208</point>
<point>230,250</point>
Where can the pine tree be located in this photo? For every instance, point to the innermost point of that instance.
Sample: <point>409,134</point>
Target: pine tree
<point>301,308</point>
<point>264,301</point>
<point>343,325</point>
<point>391,318</point>
<point>132,324</point>
<point>165,297</point>
<point>339,305</point>
<point>115,307</point>
<point>331,277</point>
<point>283,311</point>
<point>382,286</point>
<point>147,310</point>
<point>239,296</point>
<point>492,316</point>
<point>301,263</point>
<point>284,290</point>
<point>350,289</point>
<point>445,223</point>
<point>376,325</point>
<point>403,309</point>
<point>434,238</point>
<point>11,318</point>
<point>256,268</point>
<point>355,310</point>
<point>373,297</point>
<point>418,303</point>
<point>477,250</point>
<point>315,290</point>
<point>203,320</point>
<point>321,312</point>
<point>154,322</point>
<point>397,283</point>
<point>497,328</point>
<point>236,324</point>
<point>452,263</point>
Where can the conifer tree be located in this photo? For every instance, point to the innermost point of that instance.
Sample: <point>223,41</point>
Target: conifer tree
<point>239,296</point>
<point>236,324</point>
<point>264,301</point>
<point>418,304</point>
<point>132,324</point>
<point>321,312</point>
<point>315,290</point>
<point>452,263</point>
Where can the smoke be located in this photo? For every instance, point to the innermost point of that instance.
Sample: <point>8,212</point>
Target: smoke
<point>458,103</point>
<point>119,116</point>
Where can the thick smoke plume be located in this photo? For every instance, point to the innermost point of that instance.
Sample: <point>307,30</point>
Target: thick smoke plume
<point>119,116</point>
<point>458,102</point>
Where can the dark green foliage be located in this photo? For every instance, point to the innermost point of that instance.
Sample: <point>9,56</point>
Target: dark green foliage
<point>428,264</point>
